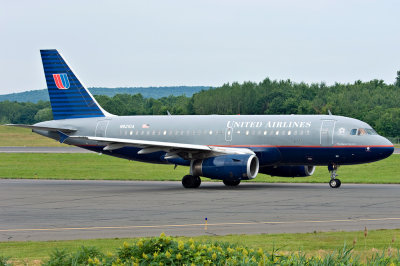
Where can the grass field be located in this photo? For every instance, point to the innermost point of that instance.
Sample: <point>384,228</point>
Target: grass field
<point>319,243</point>
<point>15,136</point>
<point>102,167</point>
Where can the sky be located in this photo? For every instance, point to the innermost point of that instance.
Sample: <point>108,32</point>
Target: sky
<point>209,42</point>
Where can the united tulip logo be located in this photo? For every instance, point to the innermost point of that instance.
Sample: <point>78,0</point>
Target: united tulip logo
<point>61,81</point>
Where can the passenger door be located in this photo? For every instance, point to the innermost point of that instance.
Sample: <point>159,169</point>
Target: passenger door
<point>101,128</point>
<point>326,134</point>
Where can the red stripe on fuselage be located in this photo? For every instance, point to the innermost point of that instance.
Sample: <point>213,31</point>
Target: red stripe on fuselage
<point>315,146</point>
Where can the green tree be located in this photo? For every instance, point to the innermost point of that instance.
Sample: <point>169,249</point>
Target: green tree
<point>397,83</point>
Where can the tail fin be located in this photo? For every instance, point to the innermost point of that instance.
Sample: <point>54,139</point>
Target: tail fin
<point>68,97</point>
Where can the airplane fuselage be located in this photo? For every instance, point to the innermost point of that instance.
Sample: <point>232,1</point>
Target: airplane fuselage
<point>276,139</point>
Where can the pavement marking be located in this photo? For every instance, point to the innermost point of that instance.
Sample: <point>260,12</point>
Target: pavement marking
<point>195,225</point>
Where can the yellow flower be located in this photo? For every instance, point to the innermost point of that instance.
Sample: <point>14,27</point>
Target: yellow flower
<point>251,250</point>
<point>109,254</point>
<point>140,244</point>
<point>192,247</point>
<point>219,249</point>
<point>155,254</point>
<point>260,251</point>
<point>126,245</point>
<point>214,256</point>
<point>245,252</point>
<point>181,245</point>
<point>230,250</point>
<point>96,261</point>
<point>161,264</point>
<point>209,249</point>
<point>144,256</point>
<point>178,256</point>
<point>191,241</point>
<point>162,235</point>
<point>167,254</point>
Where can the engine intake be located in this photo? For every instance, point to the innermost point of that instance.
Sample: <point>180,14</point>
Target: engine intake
<point>232,167</point>
<point>289,171</point>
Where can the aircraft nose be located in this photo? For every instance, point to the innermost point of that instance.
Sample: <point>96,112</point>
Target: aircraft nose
<point>386,148</point>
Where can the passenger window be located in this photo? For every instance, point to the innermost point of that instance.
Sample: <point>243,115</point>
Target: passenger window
<point>353,131</point>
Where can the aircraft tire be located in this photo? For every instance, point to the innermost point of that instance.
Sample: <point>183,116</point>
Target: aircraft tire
<point>335,183</point>
<point>197,181</point>
<point>231,183</point>
<point>189,181</point>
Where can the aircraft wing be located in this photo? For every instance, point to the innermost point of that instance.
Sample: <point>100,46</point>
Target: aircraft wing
<point>55,129</point>
<point>173,150</point>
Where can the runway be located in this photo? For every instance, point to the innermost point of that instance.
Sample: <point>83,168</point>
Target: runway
<point>52,209</point>
<point>66,149</point>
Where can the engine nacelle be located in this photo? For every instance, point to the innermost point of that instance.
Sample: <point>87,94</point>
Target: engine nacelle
<point>229,167</point>
<point>289,171</point>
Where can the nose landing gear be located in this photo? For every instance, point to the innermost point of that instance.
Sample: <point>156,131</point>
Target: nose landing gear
<point>334,182</point>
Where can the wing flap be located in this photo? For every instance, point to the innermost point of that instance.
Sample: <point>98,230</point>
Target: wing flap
<point>183,150</point>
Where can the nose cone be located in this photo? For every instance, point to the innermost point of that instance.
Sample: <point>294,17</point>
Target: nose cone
<point>384,149</point>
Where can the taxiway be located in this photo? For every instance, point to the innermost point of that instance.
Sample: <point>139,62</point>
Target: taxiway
<point>53,209</point>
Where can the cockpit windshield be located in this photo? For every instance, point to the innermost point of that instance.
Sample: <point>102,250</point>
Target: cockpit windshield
<point>363,131</point>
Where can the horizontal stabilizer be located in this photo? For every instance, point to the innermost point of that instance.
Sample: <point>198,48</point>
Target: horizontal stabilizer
<point>56,129</point>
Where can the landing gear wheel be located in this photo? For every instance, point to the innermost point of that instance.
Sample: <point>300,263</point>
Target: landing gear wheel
<point>335,183</point>
<point>189,181</point>
<point>231,183</point>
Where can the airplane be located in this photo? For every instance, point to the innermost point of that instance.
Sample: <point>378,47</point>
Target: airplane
<point>230,148</point>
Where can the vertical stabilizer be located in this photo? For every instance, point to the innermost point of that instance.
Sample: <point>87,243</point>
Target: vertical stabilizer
<point>68,97</point>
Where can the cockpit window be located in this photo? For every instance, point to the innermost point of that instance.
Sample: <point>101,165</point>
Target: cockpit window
<point>370,131</point>
<point>363,131</point>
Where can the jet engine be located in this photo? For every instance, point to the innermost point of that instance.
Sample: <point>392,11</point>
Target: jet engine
<point>289,171</point>
<point>227,167</point>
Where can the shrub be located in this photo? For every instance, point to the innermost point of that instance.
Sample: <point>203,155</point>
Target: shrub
<point>4,261</point>
<point>166,250</point>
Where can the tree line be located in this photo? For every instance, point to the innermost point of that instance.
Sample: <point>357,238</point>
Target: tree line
<point>374,102</point>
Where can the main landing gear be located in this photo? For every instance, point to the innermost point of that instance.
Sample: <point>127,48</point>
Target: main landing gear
<point>190,181</point>
<point>334,183</point>
<point>231,183</point>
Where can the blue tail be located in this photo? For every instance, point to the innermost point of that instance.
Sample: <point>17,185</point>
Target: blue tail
<point>68,97</point>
